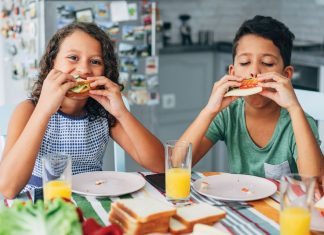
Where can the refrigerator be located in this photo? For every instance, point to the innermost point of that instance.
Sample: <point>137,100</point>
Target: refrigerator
<point>28,25</point>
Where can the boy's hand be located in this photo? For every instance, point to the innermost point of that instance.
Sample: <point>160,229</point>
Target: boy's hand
<point>54,88</point>
<point>279,89</point>
<point>217,102</point>
<point>109,97</point>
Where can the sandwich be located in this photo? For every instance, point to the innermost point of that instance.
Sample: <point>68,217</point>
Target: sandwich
<point>186,217</point>
<point>249,86</point>
<point>81,89</point>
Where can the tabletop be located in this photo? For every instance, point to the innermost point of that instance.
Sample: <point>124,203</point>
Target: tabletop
<point>261,217</point>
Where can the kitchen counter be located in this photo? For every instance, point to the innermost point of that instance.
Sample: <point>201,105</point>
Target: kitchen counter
<point>312,57</point>
<point>178,48</point>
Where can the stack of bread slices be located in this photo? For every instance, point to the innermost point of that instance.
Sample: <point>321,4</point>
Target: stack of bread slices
<point>147,215</point>
<point>141,215</point>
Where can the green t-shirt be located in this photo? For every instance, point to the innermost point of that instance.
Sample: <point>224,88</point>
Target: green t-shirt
<point>278,157</point>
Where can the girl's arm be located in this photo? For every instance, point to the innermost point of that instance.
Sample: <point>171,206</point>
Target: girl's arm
<point>138,142</point>
<point>26,130</point>
<point>310,159</point>
<point>128,132</point>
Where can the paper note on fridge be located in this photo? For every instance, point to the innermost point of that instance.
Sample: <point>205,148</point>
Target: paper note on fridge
<point>119,11</point>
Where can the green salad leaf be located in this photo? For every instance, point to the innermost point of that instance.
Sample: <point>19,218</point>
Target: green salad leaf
<point>56,217</point>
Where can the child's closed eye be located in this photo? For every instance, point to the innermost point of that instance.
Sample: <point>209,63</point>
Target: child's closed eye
<point>267,64</point>
<point>244,63</point>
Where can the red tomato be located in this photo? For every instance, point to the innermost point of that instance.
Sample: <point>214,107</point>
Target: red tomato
<point>90,226</point>
<point>113,229</point>
<point>249,83</point>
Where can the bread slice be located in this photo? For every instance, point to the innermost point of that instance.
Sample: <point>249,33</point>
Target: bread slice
<point>145,209</point>
<point>200,229</point>
<point>176,227</point>
<point>319,205</point>
<point>243,92</point>
<point>199,213</point>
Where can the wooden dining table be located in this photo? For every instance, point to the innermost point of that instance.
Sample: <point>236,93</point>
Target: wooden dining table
<point>254,217</point>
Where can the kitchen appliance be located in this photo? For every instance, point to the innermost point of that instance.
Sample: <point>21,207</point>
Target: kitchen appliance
<point>185,30</point>
<point>166,33</point>
<point>205,37</point>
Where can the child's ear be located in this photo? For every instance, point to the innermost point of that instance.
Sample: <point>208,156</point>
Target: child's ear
<point>231,69</point>
<point>289,71</point>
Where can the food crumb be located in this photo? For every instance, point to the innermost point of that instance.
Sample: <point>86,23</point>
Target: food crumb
<point>246,190</point>
<point>204,185</point>
<point>98,182</point>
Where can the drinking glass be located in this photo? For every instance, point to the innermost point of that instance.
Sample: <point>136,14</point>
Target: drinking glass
<point>178,157</point>
<point>296,198</point>
<point>57,174</point>
<point>317,223</point>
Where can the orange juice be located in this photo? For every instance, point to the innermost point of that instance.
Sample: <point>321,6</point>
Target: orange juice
<point>294,220</point>
<point>57,188</point>
<point>177,183</point>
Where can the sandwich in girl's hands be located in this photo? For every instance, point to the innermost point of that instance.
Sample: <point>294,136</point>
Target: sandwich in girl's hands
<point>249,86</point>
<point>81,89</point>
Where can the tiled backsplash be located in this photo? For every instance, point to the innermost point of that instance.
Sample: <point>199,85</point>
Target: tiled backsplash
<point>305,18</point>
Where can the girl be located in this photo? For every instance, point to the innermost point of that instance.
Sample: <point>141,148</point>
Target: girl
<point>50,121</point>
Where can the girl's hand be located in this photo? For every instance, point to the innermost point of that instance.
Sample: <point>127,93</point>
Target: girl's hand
<point>217,102</point>
<point>55,86</point>
<point>109,97</point>
<point>279,89</point>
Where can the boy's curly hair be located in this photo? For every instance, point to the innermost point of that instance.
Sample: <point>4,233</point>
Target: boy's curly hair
<point>93,108</point>
<point>269,28</point>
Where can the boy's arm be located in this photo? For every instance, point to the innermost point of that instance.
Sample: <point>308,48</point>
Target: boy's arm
<point>310,159</point>
<point>195,134</point>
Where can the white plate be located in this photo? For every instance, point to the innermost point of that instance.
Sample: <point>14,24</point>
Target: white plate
<point>317,223</point>
<point>106,183</point>
<point>229,187</point>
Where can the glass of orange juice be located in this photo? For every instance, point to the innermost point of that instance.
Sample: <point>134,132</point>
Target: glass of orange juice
<point>178,157</point>
<point>57,174</point>
<point>296,198</point>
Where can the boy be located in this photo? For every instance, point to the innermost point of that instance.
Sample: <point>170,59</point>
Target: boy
<point>267,134</point>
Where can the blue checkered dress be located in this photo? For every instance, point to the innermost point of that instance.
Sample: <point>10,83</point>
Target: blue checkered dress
<point>79,137</point>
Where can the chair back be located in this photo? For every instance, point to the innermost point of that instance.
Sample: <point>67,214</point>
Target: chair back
<point>312,102</point>
<point>5,114</point>
<point>119,152</point>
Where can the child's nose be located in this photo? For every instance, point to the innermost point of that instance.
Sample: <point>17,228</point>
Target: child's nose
<point>83,69</point>
<point>254,69</point>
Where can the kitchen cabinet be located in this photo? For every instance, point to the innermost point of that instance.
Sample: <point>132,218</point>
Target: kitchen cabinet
<point>186,80</point>
<point>185,83</point>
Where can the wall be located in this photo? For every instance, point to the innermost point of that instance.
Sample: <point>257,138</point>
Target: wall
<point>303,17</point>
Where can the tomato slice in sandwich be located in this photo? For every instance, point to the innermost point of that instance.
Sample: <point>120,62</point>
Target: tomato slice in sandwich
<point>248,87</point>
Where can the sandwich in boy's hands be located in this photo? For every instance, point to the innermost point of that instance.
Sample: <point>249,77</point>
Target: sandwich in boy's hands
<point>249,86</point>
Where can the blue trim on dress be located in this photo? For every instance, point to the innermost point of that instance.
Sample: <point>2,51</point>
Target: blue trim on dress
<point>73,117</point>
